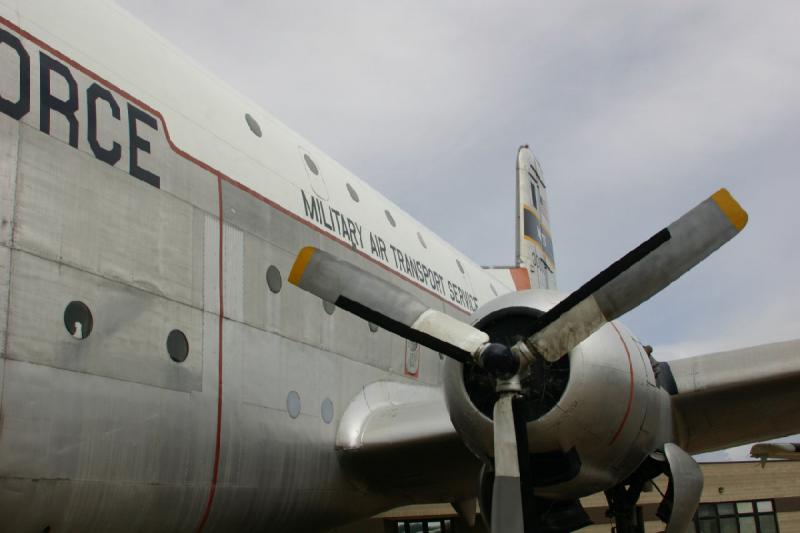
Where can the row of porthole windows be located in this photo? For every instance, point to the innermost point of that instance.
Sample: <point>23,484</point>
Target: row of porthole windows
<point>79,322</point>
<point>78,319</point>
<point>312,166</point>
<point>293,407</point>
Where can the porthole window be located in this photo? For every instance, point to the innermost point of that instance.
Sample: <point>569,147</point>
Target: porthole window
<point>494,291</point>
<point>253,124</point>
<point>373,327</point>
<point>311,165</point>
<point>293,404</point>
<point>353,193</point>
<point>274,281</point>
<point>390,218</point>
<point>328,306</point>
<point>177,346</point>
<point>460,266</point>
<point>327,410</point>
<point>78,320</point>
<point>421,240</point>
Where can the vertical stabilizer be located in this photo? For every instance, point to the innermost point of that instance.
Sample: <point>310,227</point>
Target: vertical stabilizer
<point>534,242</point>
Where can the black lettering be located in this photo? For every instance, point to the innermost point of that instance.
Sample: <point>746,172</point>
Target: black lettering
<point>412,268</point>
<point>341,225</point>
<point>400,259</point>
<point>335,220</point>
<point>382,248</point>
<point>136,115</point>
<point>48,102</point>
<point>20,108</point>
<point>94,93</point>
<point>438,286</point>
<point>324,218</point>
<point>425,273</point>
<point>353,234</point>
<point>311,210</point>
<point>373,248</point>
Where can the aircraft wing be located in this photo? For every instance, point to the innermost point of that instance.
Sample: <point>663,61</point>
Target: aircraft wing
<point>730,398</point>
<point>775,450</point>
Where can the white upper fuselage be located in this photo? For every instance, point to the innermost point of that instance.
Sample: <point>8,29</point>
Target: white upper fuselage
<point>204,120</point>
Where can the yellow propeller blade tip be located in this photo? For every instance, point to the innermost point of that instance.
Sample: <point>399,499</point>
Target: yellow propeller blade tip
<point>731,208</point>
<point>300,264</point>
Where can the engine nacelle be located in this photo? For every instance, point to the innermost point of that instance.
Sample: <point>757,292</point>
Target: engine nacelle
<point>593,416</point>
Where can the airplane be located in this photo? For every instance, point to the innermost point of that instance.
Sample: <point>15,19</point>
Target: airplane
<point>208,325</point>
<point>775,450</point>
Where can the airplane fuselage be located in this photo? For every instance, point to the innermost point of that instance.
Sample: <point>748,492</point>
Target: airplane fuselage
<point>104,204</point>
<point>158,371</point>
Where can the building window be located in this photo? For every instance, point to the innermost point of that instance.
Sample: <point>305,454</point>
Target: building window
<point>736,517</point>
<point>436,525</point>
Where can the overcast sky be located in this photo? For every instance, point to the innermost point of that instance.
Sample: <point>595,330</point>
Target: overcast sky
<point>636,110</point>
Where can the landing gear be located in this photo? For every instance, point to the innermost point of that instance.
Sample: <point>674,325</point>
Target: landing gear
<point>622,508</point>
<point>623,497</point>
<point>679,503</point>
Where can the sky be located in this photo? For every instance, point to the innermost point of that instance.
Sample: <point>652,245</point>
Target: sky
<point>637,111</point>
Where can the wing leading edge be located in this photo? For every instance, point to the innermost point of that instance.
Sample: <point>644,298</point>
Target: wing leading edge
<point>730,398</point>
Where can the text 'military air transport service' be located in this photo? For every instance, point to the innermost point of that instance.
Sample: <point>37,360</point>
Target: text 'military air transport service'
<point>208,325</point>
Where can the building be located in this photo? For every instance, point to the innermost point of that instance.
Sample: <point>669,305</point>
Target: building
<point>738,497</point>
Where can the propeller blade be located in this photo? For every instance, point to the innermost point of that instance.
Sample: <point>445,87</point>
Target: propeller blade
<point>378,301</point>
<point>506,494</point>
<point>686,482</point>
<point>637,276</point>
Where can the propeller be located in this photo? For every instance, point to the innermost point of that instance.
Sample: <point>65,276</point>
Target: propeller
<point>640,274</point>
<point>628,282</point>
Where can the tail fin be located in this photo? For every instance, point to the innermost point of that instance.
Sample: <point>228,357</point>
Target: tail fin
<point>534,242</point>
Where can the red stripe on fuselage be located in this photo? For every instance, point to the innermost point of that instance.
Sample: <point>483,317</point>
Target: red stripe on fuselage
<point>218,439</point>
<point>206,166</point>
<point>630,394</point>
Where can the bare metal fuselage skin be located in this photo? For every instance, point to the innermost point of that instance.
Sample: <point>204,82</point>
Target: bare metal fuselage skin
<point>114,194</point>
<point>101,205</point>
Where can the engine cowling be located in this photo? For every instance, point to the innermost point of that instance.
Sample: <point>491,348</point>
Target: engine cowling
<point>593,416</point>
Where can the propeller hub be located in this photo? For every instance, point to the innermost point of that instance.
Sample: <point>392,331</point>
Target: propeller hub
<point>499,360</point>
